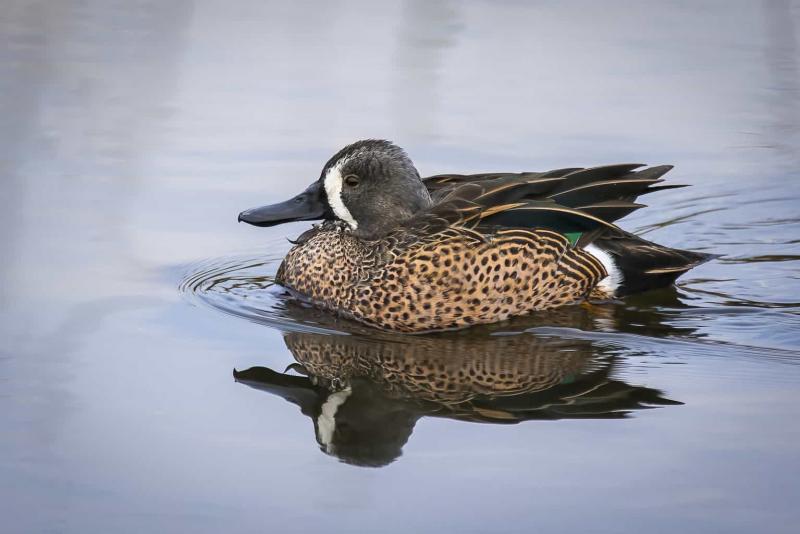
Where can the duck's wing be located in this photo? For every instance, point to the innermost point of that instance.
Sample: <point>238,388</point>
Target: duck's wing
<point>442,184</point>
<point>580,201</point>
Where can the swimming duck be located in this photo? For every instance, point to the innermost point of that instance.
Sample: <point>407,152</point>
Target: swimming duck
<point>399,252</point>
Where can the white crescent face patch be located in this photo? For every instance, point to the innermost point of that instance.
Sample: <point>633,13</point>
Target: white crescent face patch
<point>333,187</point>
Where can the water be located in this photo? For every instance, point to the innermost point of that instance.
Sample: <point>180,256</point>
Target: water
<point>132,135</point>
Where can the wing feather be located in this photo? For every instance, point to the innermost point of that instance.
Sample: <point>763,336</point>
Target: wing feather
<point>584,200</point>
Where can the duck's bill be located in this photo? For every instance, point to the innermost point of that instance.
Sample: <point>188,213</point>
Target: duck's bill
<point>306,206</point>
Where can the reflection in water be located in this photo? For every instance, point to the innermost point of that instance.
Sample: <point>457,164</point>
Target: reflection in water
<point>427,30</point>
<point>783,96</point>
<point>365,394</point>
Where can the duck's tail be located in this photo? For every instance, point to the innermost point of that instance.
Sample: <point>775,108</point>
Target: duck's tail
<point>635,264</point>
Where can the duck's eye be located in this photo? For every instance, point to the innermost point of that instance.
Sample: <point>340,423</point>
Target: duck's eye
<point>351,180</point>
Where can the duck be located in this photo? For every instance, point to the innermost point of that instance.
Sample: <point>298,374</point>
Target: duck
<point>402,253</point>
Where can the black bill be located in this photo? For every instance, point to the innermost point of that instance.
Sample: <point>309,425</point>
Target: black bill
<point>308,205</point>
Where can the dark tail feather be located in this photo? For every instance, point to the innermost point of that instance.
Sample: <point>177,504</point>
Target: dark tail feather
<point>645,265</point>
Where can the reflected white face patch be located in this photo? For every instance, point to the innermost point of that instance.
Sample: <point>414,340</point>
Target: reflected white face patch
<point>333,187</point>
<point>326,422</point>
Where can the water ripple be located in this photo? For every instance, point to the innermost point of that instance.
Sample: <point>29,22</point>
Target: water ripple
<point>690,320</point>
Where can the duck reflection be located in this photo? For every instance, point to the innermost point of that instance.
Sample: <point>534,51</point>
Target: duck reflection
<point>364,394</point>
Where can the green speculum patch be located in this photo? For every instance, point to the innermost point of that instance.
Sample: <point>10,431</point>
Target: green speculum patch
<point>573,237</point>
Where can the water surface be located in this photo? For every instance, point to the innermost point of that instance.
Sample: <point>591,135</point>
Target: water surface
<point>132,135</point>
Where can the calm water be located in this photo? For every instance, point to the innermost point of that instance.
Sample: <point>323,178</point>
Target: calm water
<point>134,132</point>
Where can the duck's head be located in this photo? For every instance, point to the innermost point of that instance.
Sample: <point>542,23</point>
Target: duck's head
<point>371,186</point>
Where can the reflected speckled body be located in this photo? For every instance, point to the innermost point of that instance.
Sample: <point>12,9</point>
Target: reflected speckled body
<point>449,370</point>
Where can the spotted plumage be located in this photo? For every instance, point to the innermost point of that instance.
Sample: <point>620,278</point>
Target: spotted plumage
<point>400,253</point>
<point>457,279</point>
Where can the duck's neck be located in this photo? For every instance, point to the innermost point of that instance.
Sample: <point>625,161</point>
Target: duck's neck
<point>379,218</point>
<point>380,227</point>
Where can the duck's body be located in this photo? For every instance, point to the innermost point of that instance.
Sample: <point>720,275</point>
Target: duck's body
<point>452,278</point>
<point>400,253</point>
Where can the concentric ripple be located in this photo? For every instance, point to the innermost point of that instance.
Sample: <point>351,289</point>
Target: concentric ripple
<point>244,286</point>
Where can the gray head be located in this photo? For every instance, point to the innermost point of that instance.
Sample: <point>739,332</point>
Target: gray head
<point>371,185</point>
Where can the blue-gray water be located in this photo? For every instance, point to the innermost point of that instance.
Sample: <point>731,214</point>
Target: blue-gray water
<point>133,133</point>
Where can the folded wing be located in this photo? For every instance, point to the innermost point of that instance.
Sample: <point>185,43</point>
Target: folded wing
<point>580,201</point>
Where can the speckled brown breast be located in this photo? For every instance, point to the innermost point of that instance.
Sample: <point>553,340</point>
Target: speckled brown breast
<point>451,279</point>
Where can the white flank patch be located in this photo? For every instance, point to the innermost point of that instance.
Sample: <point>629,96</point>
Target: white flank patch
<point>333,187</point>
<point>326,422</point>
<point>614,279</point>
